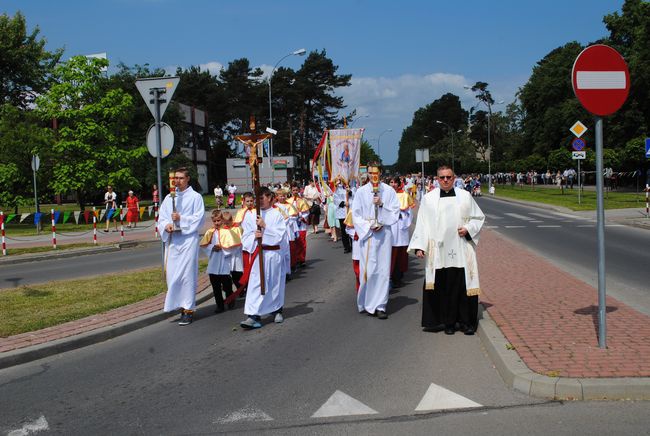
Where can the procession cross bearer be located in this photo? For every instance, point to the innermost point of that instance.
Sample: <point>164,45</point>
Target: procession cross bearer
<point>375,209</point>
<point>446,233</point>
<point>179,222</point>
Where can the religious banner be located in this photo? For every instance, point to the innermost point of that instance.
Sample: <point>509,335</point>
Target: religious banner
<point>345,145</point>
<point>24,216</point>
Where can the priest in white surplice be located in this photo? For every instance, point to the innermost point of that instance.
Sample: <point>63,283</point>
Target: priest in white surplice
<point>447,231</point>
<point>374,209</point>
<point>182,246</point>
<point>273,231</point>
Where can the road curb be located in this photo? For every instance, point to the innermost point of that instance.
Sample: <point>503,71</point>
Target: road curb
<point>518,376</point>
<point>73,252</point>
<point>29,354</point>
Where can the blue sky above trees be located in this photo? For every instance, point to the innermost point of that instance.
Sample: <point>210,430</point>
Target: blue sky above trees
<point>402,55</point>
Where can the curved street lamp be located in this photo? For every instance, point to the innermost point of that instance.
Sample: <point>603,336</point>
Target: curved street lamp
<point>357,119</point>
<point>299,52</point>
<point>453,168</point>
<point>378,143</point>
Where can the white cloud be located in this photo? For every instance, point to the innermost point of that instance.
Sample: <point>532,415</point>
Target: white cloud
<point>213,67</point>
<point>391,102</point>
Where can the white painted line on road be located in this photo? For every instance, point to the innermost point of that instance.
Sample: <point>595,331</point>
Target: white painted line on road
<point>439,398</point>
<point>31,427</point>
<point>614,225</point>
<point>340,404</point>
<point>514,227</point>
<point>491,227</point>
<point>544,215</point>
<point>549,227</point>
<point>520,217</point>
<point>536,221</point>
<point>587,225</point>
<point>493,217</point>
<point>245,414</point>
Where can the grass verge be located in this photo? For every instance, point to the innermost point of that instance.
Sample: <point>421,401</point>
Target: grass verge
<point>48,248</point>
<point>34,307</point>
<point>569,199</point>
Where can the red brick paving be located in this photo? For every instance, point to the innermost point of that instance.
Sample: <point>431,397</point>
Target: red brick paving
<point>551,318</point>
<point>94,322</point>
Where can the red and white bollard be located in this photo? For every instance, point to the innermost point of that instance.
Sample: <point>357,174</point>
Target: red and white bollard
<point>155,214</point>
<point>2,224</point>
<point>94,226</point>
<point>121,225</point>
<point>53,230</point>
<point>647,202</point>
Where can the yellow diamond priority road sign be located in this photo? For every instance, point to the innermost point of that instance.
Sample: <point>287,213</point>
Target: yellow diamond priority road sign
<point>578,129</point>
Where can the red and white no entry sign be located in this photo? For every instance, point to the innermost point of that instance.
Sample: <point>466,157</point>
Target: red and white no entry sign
<point>601,79</point>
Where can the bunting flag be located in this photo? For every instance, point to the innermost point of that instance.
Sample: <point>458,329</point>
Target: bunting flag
<point>10,217</point>
<point>57,213</point>
<point>345,155</point>
<point>37,218</point>
<point>141,211</point>
<point>66,216</point>
<point>101,214</point>
<point>150,208</point>
<point>76,214</point>
<point>24,216</point>
<point>86,215</point>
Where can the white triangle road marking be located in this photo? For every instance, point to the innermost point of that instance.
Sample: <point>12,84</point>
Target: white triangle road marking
<point>439,398</point>
<point>31,427</point>
<point>248,414</point>
<point>340,404</point>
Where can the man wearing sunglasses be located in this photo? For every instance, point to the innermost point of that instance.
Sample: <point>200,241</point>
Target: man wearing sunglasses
<point>446,232</point>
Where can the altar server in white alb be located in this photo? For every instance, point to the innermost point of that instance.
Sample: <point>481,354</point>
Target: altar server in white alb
<point>179,229</point>
<point>374,210</point>
<point>446,232</point>
<point>273,231</point>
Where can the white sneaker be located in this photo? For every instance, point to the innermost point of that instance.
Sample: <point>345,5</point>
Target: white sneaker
<point>278,318</point>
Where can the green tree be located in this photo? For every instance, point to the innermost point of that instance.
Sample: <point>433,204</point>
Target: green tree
<point>21,136</point>
<point>91,148</point>
<point>367,153</point>
<point>25,65</point>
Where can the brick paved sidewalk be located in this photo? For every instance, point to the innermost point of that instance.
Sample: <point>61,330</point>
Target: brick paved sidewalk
<point>94,322</point>
<point>551,318</point>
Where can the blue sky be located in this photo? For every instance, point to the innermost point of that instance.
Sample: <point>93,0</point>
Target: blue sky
<point>402,54</point>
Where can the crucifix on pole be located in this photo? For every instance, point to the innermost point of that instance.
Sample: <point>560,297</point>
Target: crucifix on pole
<point>253,145</point>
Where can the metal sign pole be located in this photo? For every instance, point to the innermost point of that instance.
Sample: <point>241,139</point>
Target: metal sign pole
<point>579,186</point>
<point>38,226</point>
<point>600,224</point>
<point>156,97</point>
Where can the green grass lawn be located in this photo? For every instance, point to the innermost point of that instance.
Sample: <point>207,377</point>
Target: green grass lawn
<point>34,307</point>
<point>569,198</point>
<point>48,248</point>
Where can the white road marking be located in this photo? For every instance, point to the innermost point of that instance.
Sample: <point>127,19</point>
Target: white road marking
<point>520,217</point>
<point>514,227</point>
<point>31,427</point>
<point>544,215</point>
<point>340,404</point>
<point>491,227</point>
<point>549,226</point>
<point>493,217</point>
<point>248,414</point>
<point>439,398</point>
<point>614,225</point>
<point>536,221</point>
<point>587,225</point>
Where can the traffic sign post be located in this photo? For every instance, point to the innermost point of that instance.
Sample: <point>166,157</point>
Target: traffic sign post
<point>422,155</point>
<point>601,82</point>
<point>647,148</point>
<point>36,163</point>
<point>152,91</point>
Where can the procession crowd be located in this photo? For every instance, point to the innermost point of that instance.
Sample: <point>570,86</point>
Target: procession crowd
<point>252,254</point>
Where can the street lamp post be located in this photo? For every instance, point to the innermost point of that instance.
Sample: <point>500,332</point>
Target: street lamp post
<point>357,119</point>
<point>453,168</point>
<point>379,142</point>
<point>299,52</point>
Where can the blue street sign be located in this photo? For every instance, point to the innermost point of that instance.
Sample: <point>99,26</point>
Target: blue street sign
<point>578,144</point>
<point>647,147</point>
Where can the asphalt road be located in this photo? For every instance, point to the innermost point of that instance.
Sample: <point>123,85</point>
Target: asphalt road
<point>326,370</point>
<point>570,243</point>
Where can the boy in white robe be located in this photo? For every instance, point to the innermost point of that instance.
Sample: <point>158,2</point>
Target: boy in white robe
<point>401,233</point>
<point>446,232</point>
<point>182,246</point>
<point>375,208</point>
<point>272,231</point>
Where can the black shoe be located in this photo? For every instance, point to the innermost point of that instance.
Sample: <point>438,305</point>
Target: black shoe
<point>449,330</point>
<point>381,315</point>
<point>231,306</point>
<point>347,250</point>
<point>186,319</point>
<point>469,331</point>
<point>219,310</point>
